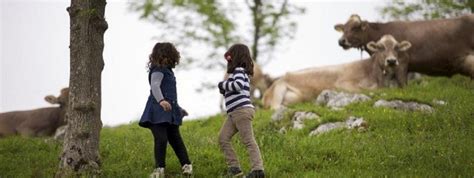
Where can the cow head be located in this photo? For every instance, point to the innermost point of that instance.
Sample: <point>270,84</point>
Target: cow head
<point>62,100</point>
<point>388,53</point>
<point>354,32</point>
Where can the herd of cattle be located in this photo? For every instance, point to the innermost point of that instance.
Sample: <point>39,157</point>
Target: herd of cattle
<point>435,47</point>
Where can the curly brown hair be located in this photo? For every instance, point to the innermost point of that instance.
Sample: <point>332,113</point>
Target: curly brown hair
<point>239,57</point>
<point>164,55</point>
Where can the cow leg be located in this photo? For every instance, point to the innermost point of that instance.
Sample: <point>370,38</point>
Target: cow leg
<point>291,98</point>
<point>468,65</point>
<point>25,131</point>
<point>279,93</point>
<point>6,130</point>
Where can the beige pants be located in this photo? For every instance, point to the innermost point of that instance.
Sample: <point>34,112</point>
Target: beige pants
<point>240,121</point>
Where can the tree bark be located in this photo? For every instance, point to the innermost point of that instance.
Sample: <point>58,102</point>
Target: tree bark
<point>257,23</point>
<point>80,156</point>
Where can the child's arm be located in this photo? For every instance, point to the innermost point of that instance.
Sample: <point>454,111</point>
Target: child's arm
<point>235,83</point>
<point>156,78</point>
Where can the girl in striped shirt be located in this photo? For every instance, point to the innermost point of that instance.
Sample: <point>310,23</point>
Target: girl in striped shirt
<point>240,111</point>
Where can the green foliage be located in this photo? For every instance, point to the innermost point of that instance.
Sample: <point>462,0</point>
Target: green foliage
<point>427,9</point>
<point>397,143</point>
<point>213,23</point>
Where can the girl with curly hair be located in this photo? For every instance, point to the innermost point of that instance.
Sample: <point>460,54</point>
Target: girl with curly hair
<point>240,111</point>
<point>162,114</point>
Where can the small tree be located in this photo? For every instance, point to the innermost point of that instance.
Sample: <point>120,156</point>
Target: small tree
<point>80,155</point>
<point>209,22</point>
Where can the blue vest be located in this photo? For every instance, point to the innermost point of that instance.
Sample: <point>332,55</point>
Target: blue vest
<point>154,113</point>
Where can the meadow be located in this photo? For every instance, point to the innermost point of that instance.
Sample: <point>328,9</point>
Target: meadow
<point>396,143</point>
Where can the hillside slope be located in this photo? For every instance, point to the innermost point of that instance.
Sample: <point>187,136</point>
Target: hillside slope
<point>396,143</point>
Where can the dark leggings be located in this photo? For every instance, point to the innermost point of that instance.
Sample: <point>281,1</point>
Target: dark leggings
<point>162,133</point>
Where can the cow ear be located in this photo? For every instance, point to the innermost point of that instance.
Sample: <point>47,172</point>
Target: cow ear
<point>364,26</point>
<point>404,45</point>
<point>339,27</point>
<point>51,99</point>
<point>372,46</point>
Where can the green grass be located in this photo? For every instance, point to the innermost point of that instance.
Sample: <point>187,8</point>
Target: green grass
<point>396,143</point>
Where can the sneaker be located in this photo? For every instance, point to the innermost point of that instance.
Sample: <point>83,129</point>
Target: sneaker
<point>187,169</point>
<point>234,172</point>
<point>158,173</point>
<point>256,174</point>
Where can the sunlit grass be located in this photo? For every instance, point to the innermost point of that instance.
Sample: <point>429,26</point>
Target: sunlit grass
<point>396,143</point>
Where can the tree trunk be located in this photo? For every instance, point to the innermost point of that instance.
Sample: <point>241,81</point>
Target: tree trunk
<point>80,156</point>
<point>257,23</point>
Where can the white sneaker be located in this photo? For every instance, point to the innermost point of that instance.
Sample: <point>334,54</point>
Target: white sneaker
<point>187,169</point>
<point>158,173</point>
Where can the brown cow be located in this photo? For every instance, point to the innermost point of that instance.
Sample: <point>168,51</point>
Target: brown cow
<point>259,81</point>
<point>386,68</point>
<point>38,122</point>
<point>439,47</point>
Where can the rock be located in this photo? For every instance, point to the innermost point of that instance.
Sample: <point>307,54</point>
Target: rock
<point>299,118</point>
<point>337,100</point>
<point>355,122</point>
<point>327,127</point>
<point>405,106</point>
<point>60,133</point>
<point>439,102</point>
<point>279,114</point>
<point>351,123</point>
<point>282,130</point>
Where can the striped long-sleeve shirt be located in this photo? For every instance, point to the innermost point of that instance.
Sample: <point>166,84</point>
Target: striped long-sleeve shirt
<point>236,90</point>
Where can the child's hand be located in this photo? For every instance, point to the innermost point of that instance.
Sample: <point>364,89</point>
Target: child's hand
<point>221,88</point>
<point>166,105</point>
<point>184,112</point>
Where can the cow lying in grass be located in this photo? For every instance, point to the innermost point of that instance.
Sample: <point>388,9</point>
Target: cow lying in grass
<point>439,47</point>
<point>38,122</point>
<point>387,67</point>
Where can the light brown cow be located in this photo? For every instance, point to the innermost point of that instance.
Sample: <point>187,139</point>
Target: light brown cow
<point>439,47</point>
<point>258,82</point>
<point>38,122</point>
<point>386,68</point>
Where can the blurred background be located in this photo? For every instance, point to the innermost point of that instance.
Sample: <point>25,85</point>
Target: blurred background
<point>34,40</point>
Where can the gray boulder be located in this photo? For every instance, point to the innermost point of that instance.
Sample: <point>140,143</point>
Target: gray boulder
<point>351,123</point>
<point>279,114</point>
<point>282,130</point>
<point>337,100</point>
<point>404,106</point>
<point>300,117</point>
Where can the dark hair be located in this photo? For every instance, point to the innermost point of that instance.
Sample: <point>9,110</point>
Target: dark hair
<point>164,55</point>
<point>240,57</point>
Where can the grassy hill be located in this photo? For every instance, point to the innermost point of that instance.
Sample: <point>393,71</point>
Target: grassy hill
<point>396,143</point>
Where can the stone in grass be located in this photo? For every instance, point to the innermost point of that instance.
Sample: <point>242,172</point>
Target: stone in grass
<point>300,117</point>
<point>405,106</point>
<point>351,123</point>
<point>282,130</point>
<point>279,114</point>
<point>439,102</point>
<point>337,100</point>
